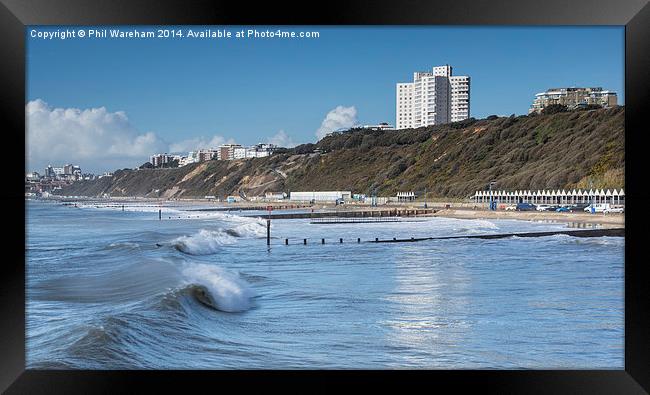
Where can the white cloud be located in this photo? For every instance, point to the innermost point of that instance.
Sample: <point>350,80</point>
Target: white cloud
<point>94,138</point>
<point>196,143</point>
<point>340,117</point>
<point>281,139</point>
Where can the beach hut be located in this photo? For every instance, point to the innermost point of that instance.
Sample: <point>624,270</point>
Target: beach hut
<point>621,197</point>
<point>608,197</point>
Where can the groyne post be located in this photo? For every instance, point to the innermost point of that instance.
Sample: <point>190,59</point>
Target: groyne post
<point>159,214</point>
<point>268,232</point>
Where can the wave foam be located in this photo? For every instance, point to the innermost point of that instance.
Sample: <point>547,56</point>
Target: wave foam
<point>204,242</point>
<point>218,288</point>
<point>249,229</point>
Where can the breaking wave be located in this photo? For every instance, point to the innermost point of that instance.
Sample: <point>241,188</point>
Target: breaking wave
<point>206,242</point>
<point>217,288</point>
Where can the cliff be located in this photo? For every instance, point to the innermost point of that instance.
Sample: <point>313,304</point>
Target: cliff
<point>562,150</point>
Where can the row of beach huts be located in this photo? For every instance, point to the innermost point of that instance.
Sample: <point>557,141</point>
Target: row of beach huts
<point>575,196</point>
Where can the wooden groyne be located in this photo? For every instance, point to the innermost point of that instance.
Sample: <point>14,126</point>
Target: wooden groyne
<point>251,208</point>
<point>613,232</point>
<point>397,212</point>
<point>353,220</point>
<point>616,232</point>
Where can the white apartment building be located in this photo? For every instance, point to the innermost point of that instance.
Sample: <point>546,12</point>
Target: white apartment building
<point>255,151</point>
<point>433,98</point>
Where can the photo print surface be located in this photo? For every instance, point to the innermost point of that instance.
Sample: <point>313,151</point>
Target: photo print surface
<point>246,197</point>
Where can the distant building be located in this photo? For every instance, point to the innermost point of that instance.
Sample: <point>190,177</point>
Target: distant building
<point>206,154</point>
<point>381,126</point>
<point>49,172</point>
<point>275,195</point>
<point>434,97</point>
<point>573,98</point>
<point>320,196</point>
<point>406,196</point>
<point>33,176</point>
<point>227,151</point>
<point>236,151</point>
<point>185,160</point>
<point>158,160</point>
<point>239,153</point>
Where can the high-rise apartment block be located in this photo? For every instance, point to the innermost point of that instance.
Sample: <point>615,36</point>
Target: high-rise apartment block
<point>434,97</point>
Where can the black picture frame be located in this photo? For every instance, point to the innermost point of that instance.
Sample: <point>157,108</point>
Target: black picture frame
<point>633,14</point>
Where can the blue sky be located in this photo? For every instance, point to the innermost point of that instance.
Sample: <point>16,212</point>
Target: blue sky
<point>249,90</point>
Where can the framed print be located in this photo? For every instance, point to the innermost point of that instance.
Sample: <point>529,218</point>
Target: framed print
<point>364,191</point>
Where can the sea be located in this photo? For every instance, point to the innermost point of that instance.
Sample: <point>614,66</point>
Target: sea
<point>112,287</point>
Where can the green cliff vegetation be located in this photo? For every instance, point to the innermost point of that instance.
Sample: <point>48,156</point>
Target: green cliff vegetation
<point>564,149</point>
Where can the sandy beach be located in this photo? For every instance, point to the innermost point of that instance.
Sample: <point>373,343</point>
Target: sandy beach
<point>606,220</point>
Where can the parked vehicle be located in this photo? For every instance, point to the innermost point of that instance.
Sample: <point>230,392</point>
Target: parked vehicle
<point>525,207</point>
<point>614,210</point>
<point>552,208</point>
<point>542,207</point>
<point>563,209</point>
<point>597,208</point>
<point>511,208</point>
<point>578,207</point>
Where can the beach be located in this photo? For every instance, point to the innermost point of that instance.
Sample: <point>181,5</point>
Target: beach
<point>451,209</point>
<point>606,220</point>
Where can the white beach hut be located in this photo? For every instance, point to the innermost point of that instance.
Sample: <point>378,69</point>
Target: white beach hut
<point>621,196</point>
